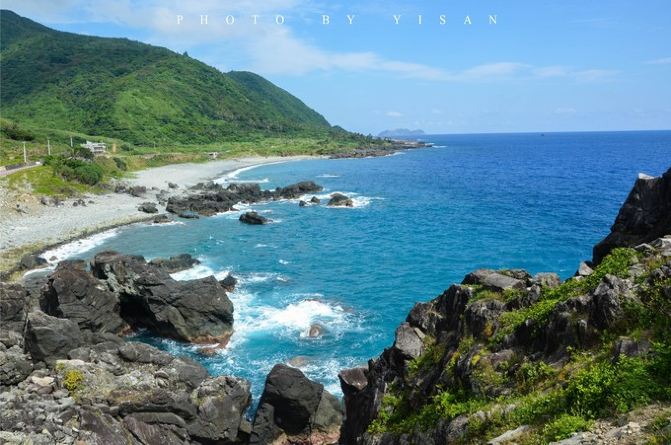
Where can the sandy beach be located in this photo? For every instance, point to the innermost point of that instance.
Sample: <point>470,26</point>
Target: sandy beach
<point>37,226</point>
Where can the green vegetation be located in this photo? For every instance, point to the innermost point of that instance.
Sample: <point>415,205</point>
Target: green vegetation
<point>73,380</point>
<point>138,93</point>
<point>557,399</point>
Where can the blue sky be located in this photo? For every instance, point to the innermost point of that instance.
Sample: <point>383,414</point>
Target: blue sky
<point>561,65</point>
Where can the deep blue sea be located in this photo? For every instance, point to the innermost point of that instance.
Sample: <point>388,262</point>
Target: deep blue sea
<point>422,219</point>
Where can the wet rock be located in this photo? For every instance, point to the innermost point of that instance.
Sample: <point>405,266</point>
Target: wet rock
<point>72,292</point>
<point>315,200</point>
<point>296,409</point>
<point>49,338</point>
<point>197,311</point>
<point>315,330</point>
<point>172,185</point>
<point>148,207</point>
<point>340,200</point>
<point>161,219</point>
<point>229,283</point>
<point>302,203</point>
<point>188,214</point>
<point>253,218</point>
<point>175,263</point>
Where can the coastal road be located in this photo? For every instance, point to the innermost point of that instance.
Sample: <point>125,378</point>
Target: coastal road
<point>4,172</point>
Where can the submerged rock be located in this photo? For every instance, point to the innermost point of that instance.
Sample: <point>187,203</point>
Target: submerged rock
<point>340,200</point>
<point>253,218</point>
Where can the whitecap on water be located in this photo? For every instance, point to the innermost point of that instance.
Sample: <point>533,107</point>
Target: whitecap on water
<point>199,271</point>
<point>68,250</point>
<point>281,261</point>
<point>327,175</point>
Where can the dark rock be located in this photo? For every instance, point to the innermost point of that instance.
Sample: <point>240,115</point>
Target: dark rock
<point>221,403</point>
<point>102,429</point>
<point>481,318</point>
<point>292,404</point>
<point>73,293</point>
<point>315,200</point>
<point>340,200</point>
<point>13,304</point>
<point>161,219</point>
<point>302,203</point>
<point>175,263</point>
<point>253,218</point>
<point>188,214</point>
<point>214,198</point>
<point>493,280</point>
<point>137,190</point>
<point>229,282</point>
<point>30,261</point>
<point>15,366</point>
<point>143,353</point>
<point>172,185</point>
<point>155,401</point>
<point>49,338</point>
<point>644,216</point>
<point>195,311</point>
<point>148,207</point>
<point>606,305</point>
<point>630,348</point>
<point>409,341</point>
<point>316,330</point>
<point>154,433</point>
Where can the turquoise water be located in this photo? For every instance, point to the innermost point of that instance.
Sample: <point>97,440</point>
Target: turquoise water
<point>422,220</point>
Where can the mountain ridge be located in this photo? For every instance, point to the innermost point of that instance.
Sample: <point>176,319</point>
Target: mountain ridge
<point>137,92</point>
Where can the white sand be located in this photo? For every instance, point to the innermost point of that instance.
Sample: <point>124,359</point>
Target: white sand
<point>46,225</point>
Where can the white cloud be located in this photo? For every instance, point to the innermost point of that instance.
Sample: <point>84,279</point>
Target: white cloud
<point>565,110</point>
<point>394,114</point>
<point>662,61</point>
<point>269,48</point>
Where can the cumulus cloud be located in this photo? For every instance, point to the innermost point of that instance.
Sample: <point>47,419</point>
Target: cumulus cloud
<point>662,61</point>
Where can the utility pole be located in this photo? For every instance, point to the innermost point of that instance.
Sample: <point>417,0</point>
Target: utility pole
<point>25,156</point>
<point>48,147</point>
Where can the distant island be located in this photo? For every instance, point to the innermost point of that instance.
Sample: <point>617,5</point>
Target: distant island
<point>401,132</point>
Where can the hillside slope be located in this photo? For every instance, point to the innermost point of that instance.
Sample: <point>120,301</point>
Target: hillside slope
<point>136,92</point>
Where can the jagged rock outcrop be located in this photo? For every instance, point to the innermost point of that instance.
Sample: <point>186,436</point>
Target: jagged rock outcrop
<point>13,311</point>
<point>644,216</point>
<point>175,263</point>
<point>294,409</point>
<point>214,198</point>
<point>195,311</point>
<point>72,292</point>
<point>49,338</point>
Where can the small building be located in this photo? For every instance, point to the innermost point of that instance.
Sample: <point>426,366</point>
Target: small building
<point>213,155</point>
<point>95,147</point>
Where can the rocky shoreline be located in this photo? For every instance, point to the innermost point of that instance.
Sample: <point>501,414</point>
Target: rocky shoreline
<point>69,374</point>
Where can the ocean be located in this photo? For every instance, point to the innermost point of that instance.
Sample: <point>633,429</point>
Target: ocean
<point>422,219</point>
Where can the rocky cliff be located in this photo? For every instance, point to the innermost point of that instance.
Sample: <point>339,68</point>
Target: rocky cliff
<point>507,357</point>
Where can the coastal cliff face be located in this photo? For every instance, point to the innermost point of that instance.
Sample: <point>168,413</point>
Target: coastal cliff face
<point>506,357</point>
<point>644,216</point>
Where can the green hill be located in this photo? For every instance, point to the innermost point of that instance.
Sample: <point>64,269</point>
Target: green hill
<point>136,92</point>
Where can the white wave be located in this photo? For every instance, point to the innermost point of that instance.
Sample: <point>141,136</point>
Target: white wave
<point>327,175</point>
<point>260,277</point>
<point>68,250</point>
<point>358,201</point>
<point>233,175</point>
<point>260,245</point>
<point>199,271</point>
<point>296,319</point>
<point>281,261</point>
<point>440,146</point>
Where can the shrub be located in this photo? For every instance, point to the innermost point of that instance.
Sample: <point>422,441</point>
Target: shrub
<point>563,426</point>
<point>121,164</point>
<point>73,379</point>
<point>531,373</point>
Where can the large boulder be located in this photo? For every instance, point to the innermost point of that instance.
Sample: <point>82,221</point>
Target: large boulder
<point>72,292</point>
<point>50,338</point>
<point>494,280</point>
<point>644,216</point>
<point>340,200</point>
<point>197,311</point>
<point>253,218</point>
<point>148,207</point>
<point>221,403</point>
<point>294,409</point>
